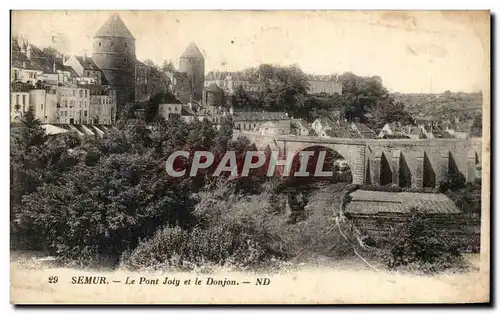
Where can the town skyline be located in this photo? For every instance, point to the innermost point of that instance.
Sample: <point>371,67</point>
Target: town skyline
<point>437,55</point>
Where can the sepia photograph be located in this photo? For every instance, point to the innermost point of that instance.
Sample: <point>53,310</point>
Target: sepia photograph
<point>249,157</point>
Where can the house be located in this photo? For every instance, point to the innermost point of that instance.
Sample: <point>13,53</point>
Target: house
<point>395,136</point>
<point>301,128</point>
<point>415,133</point>
<point>103,105</point>
<point>387,129</point>
<point>459,130</point>
<point>86,69</point>
<point>73,105</point>
<point>187,113</point>
<point>363,130</point>
<point>169,109</point>
<point>251,120</point>
<point>19,105</point>
<point>324,84</point>
<point>322,124</point>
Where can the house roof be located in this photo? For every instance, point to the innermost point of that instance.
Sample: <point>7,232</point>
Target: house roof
<point>416,131</point>
<point>301,124</point>
<point>187,111</point>
<point>87,63</point>
<point>114,27</point>
<point>363,128</point>
<point>259,116</point>
<point>192,52</point>
<point>462,127</point>
<point>213,88</point>
<point>375,202</point>
<point>396,136</point>
<point>40,61</point>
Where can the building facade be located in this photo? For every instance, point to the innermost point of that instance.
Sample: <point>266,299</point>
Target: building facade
<point>19,105</point>
<point>102,107</point>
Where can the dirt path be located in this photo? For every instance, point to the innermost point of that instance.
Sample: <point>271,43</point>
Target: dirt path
<point>346,282</point>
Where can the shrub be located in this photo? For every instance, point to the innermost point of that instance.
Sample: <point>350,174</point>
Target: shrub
<point>418,246</point>
<point>173,247</point>
<point>243,231</point>
<point>453,181</point>
<point>468,199</point>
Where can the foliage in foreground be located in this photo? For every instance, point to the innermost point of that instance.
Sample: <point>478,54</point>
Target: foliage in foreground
<point>417,246</point>
<point>244,231</point>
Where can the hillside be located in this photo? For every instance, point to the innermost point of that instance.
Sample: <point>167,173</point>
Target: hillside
<point>442,106</point>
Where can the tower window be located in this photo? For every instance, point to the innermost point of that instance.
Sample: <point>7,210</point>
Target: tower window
<point>125,45</point>
<point>112,44</point>
<point>99,44</point>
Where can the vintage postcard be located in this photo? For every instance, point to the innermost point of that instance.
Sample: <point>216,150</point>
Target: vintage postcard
<point>249,157</point>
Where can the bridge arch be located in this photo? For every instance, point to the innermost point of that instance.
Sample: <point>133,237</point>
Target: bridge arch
<point>332,161</point>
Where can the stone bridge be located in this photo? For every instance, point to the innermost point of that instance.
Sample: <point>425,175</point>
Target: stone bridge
<point>403,162</point>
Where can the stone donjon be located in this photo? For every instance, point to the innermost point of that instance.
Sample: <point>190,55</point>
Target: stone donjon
<point>192,63</point>
<point>114,53</point>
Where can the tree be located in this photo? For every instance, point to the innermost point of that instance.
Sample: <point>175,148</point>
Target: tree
<point>241,99</point>
<point>389,111</point>
<point>286,88</point>
<point>167,66</point>
<point>477,126</point>
<point>150,63</point>
<point>360,94</point>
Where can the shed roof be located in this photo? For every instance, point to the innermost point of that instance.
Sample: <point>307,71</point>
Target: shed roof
<point>374,202</point>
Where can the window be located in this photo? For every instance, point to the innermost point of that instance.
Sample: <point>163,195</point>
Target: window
<point>99,44</point>
<point>81,93</point>
<point>17,100</point>
<point>86,93</point>
<point>41,106</point>
<point>125,45</point>
<point>112,44</point>
<point>74,93</point>
<point>85,113</point>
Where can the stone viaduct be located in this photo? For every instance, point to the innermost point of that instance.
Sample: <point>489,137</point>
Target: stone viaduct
<point>403,162</point>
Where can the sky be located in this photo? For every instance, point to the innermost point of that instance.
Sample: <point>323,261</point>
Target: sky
<point>412,51</point>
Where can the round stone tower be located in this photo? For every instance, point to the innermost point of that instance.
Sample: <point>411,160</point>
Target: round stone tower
<point>114,54</point>
<point>214,95</point>
<point>192,63</point>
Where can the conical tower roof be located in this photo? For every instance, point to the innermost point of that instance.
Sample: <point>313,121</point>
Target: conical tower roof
<point>192,52</point>
<point>114,27</point>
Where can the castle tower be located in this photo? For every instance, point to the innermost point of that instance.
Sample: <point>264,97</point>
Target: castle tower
<point>114,54</point>
<point>192,63</point>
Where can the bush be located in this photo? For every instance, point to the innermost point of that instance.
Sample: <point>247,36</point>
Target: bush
<point>173,247</point>
<point>468,199</point>
<point>454,181</point>
<point>243,231</point>
<point>418,246</point>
